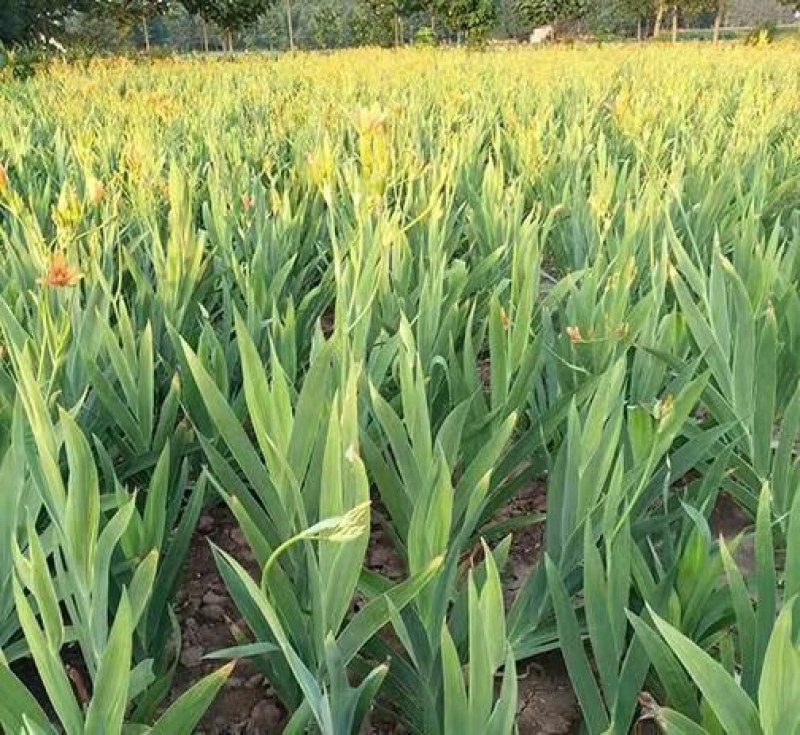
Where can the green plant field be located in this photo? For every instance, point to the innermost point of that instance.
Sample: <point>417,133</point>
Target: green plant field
<point>394,291</point>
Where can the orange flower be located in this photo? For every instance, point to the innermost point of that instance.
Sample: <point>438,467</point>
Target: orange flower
<point>574,334</point>
<point>369,120</point>
<point>504,319</point>
<point>60,274</point>
<point>95,190</point>
<point>247,202</point>
<point>3,178</point>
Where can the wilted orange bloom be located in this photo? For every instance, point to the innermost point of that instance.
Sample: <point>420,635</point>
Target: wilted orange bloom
<point>574,334</point>
<point>504,319</point>
<point>663,407</point>
<point>60,273</point>
<point>95,190</point>
<point>369,120</point>
<point>247,201</point>
<point>3,178</point>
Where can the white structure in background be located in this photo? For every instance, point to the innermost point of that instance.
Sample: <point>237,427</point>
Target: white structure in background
<point>542,34</point>
<point>50,41</point>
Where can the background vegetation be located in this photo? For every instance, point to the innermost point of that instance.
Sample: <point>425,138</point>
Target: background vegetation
<point>117,25</point>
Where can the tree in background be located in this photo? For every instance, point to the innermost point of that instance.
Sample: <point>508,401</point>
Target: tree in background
<point>543,12</point>
<point>200,9</point>
<point>325,24</point>
<point>230,15</point>
<point>473,18</point>
<point>702,9</point>
<point>705,10</point>
<point>25,20</point>
<point>128,14</point>
<point>621,17</point>
<point>637,11</point>
<point>372,24</point>
<point>661,9</point>
<point>719,18</point>
<point>394,10</point>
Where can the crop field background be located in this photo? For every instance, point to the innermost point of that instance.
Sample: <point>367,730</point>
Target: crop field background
<point>420,391</point>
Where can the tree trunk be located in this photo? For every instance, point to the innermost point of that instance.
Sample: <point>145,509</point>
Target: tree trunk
<point>659,19</point>
<point>674,24</point>
<point>718,18</point>
<point>639,28</point>
<point>289,26</point>
<point>230,40</point>
<point>204,26</point>
<point>146,32</point>
<point>396,30</point>
<point>433,22</point>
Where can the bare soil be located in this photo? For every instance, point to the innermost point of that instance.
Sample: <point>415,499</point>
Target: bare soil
<point>246,705</point>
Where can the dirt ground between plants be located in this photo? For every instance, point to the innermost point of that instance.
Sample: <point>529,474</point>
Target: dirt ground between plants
<point>246,705</point>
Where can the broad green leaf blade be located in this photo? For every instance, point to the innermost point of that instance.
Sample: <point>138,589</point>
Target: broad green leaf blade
<point>377,612</point>
<point>244,651</point>
<point>184,714</point>
<point>110,697</point>
<point>675,723</point>
<point>677,685</point>
<point>734,709</point>
<point>779,690</point>
<point>18,705</point>
<point>50,668</point>
<point>571,640</point>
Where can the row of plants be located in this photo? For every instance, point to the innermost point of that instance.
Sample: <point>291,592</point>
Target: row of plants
<point>396,291</point>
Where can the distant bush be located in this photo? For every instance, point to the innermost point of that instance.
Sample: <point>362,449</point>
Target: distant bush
<point>425,37</point>
<point>21,62</point>
<point>761,35</point>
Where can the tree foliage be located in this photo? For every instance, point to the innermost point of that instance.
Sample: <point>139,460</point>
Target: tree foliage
<point>542,12</point>
<point>230,15</point>
<point>470,16</point>
<point>325,24</point>
<point>24,20</point>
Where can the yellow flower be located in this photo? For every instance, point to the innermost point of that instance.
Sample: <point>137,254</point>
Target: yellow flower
<point>67,212</point>
<point>3,178</point>
<point>321,164</point>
